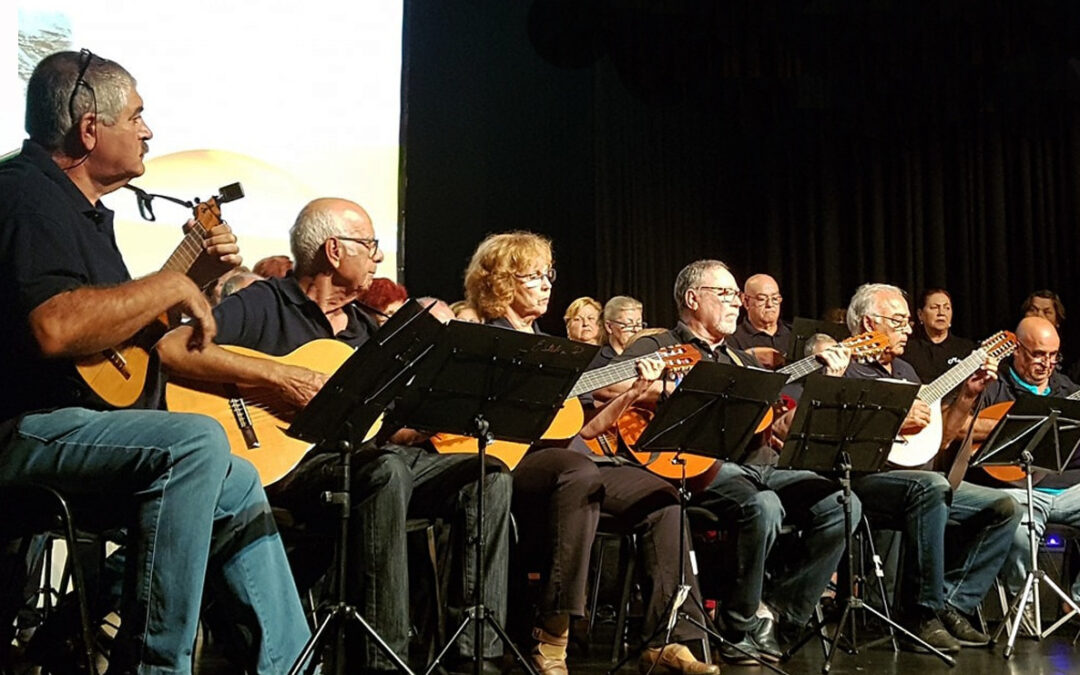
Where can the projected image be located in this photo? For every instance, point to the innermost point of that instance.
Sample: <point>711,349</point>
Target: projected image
<point>294,102</point>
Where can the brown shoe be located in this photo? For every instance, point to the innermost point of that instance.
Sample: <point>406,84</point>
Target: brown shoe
<point>548,657</point>
<point>674,659</point>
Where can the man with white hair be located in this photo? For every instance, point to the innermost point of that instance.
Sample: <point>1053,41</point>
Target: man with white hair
<point>945,577</point>
<point>336,252</point>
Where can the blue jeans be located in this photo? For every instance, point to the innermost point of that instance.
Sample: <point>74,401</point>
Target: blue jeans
<point>1063,508</point>
<point>194,514</point>
<point>976,547</point>
<point>936,568</point>
<point>755,501</point>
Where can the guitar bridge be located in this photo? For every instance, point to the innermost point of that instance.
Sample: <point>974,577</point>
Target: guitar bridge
<point>118,361</point>
<point>243,421</point>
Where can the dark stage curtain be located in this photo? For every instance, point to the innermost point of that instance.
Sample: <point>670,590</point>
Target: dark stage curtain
<point>826,143</point>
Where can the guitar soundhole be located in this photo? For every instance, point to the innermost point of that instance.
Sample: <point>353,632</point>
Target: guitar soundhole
<point>117,360</point>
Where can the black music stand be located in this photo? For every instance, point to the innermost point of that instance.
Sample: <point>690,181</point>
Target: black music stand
<point>802,329</point>
<point>715,413</point>
<point>490,383</point>
<point>1037,434</point>
<point>845,425</point>
<point>353,399</point>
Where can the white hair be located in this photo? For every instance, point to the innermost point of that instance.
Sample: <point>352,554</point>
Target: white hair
<point>690,276</point>
<point>314,225</point>
<point>863,304</point>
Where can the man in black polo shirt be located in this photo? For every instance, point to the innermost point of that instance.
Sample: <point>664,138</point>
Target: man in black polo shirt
<point>1031,371</point>
<point>762,332</point>
<point>756,498</point>
<point>336,253</point>
<point>944,577</point>
<point>194,513</point>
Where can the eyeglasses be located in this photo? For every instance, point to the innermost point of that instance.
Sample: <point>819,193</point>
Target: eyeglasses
<point>896,322</point>
<point>85,57</point>
<point>727,295</point>
<point>1048,358</point>
<point>628,326</point>
<point>370,243</point>
<point>765,299</point>
<point>536,278</point>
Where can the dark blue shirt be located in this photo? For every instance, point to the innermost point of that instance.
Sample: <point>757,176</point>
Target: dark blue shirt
<point>275,317</point>
<point>52,240</point>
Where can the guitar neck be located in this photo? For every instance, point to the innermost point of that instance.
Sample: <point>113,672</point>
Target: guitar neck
<point>800,369</point>
<point>605,376</point>
<point>190,247</point>
<point>947,381</point>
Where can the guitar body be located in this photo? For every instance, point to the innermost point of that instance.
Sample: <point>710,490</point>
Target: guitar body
<point>1005,474</point>
<point>568,421</point>
<point>255,426</point>
<point>118,374</point>
<point>604,445</point>
<point>632,424</point>
<point>918,449</point>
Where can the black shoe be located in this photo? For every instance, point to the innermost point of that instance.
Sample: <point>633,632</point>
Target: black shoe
<point>763,635</point>
<point>930,630</point>
<point>960,628</point>
<point>745,654</point>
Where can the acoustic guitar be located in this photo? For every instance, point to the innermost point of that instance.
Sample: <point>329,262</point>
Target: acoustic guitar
<point>118,374</point>
<point>1008,474</point>
<point>917,449</point>
<point>571,417</point>
<point>255,424</point>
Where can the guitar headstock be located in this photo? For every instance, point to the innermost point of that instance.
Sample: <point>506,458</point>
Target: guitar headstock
<point>207,215</point>
<point>866,346</point>
<point>679,358</point>
<point>1000,344</point>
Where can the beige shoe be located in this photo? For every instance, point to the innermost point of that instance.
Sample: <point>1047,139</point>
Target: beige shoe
<point>674,659</point>
<point>548,657</point>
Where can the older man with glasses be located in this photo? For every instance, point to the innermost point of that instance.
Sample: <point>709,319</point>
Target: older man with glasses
<point>945,578</point>
<point>1031,371</point>
<point>755,498</point>
<point>762,332</point>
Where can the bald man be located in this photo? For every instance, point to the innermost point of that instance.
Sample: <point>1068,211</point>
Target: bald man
<point>1031,371</point>
<point>333,243</point>
<point>761,332</point>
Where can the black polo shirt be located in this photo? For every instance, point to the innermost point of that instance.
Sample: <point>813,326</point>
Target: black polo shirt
<point>762,454</point>
<point>1006,388</point>
<point>51,240</point>
<point>746,336</point>
<point>275,317</point>
<point>931,359</point>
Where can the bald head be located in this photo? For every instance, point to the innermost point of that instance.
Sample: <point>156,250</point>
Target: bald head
<point>1040,346</point>
<point>761,298</point>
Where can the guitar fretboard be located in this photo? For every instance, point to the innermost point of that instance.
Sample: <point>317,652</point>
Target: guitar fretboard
<point>605,376</point>
<point>190,247</point>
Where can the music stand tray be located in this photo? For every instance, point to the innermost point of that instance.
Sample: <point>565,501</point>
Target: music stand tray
<point>1025,427</point>
<point>490,383</point>
<point>714,412</point>
<point>1038,433</point>
<point>839,414</point>
<point>368,382</point>
<point>802,328</point>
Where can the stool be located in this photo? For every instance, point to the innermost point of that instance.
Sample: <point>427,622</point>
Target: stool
<point>44,511</point>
